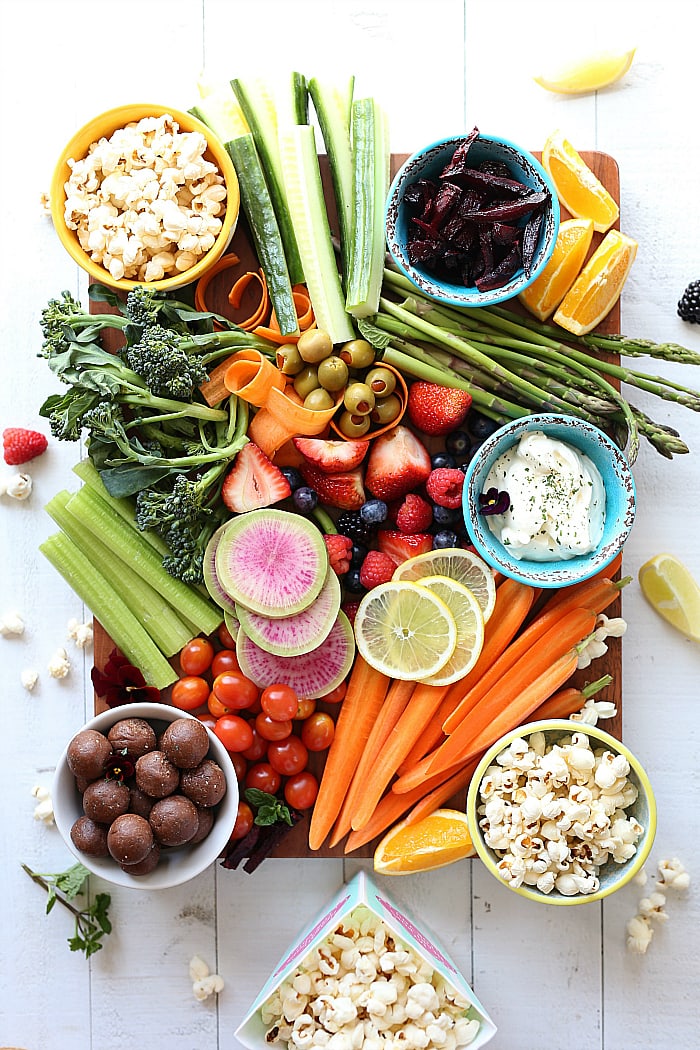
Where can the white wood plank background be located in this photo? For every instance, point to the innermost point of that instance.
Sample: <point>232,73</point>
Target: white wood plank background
<point>552,978</point>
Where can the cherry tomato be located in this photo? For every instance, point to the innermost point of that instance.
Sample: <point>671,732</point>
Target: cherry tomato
<point>300,791</point>
<point>336,695</point>
<point>306,707</point>
<point>189,693</point>
<point>225,660</point>
<point>271,730</point>
<point>244,821</point>
<point>288,756</point>
<point>208,719</point>
<point>317,731</point>
<point>196,656</point>
<point>218,709</point>
<point>234,732</point>
<point>263,777</point>
<point>225,637</point>
<point>279,702</point>
<point>240,764</point>
<point>258,749</point>
<point>235,690</point>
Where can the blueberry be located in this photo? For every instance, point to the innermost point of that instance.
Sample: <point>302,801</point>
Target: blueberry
<point>457,442</point>
<point>445,538</point>
<point>357,555</point>
<point>374,511</point>
<point>351,582</point>
<point>293,477</point>
<point>305,499</point>
<point>442,459</point>
<point>481,427</point>
<point>445,515</point>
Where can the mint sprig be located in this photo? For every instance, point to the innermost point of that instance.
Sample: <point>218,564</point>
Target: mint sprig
<point>91,923</point>
<point>269,809</point>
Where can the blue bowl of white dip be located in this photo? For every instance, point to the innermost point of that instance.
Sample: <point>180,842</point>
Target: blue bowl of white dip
<point>549,500</point>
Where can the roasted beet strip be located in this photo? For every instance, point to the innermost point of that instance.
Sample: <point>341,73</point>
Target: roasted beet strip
<point>502,273</point>
<point>458,163</point>
<point>506,210</point>
<point>495,184</point>
<point>529,242</point>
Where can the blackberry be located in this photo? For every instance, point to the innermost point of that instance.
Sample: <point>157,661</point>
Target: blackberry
<point>689,303</point>
<point>351,524</point>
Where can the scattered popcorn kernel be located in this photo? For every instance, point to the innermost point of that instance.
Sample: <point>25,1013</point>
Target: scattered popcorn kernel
<point>641,878</point>
<point>11,625</point>
<point>59,664</point>
<point>639,934</point>
<point>43,811</point>
<point>198,968</point>
<point>673,875</point>
<point>29,677</point>
<point>81,633</point>
<point>16,486</point>
<point>652,907</point>
<point>207,986</point>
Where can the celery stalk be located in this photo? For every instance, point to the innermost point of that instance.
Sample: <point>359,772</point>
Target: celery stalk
<point>120,623</point>
<point>88,473</point>
<point>161,621</point>
<point>370,185</point>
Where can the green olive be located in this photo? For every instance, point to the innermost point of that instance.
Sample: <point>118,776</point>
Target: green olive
<point>314,345</point>
<point>357,353</point>
<point>332,373</point>
<point>306,380</point>
<point>381,381</point>
<point>358,398</point>
<point>386,409</point>
<point>289,360</point>
<point>319,400</point>
<point>353,426</point>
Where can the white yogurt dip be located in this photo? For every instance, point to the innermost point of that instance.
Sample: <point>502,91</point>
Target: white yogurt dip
<point>557,500</point>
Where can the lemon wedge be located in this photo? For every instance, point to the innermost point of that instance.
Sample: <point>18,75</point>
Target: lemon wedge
<point>433,842</point>
<point>673,592</point>
<point>460,565</point>
<point>469,619</point>
<point>587,73</point>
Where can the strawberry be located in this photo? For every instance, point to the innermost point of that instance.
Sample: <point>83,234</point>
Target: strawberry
<point>444,486</point>
<point>437,409</point>
<point>339,550</point>
<point>414,514</point>
<point>398,462</point>
<point>253,481</point>
<point>377,568</point>
<point>401,545</point>
<point>343,490</point>
<point>332,457</point>
<point>350,608</point>
<point>21,445</point>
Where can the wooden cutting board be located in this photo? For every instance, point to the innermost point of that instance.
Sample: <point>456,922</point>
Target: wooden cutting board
<point>295,842</point>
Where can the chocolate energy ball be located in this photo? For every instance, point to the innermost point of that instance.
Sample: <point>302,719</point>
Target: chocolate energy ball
<point>205,822</point>
<point>133,736</point>
<point>205,784</point>
<point>130,839</point>
<point>105,800</point>
<point>174,820</point>
<point>145,866</point>
<point>185,742</point>
<point>88,754</point>
<point>140,802</point>
<point>89,837</point>
<point>156,775</point>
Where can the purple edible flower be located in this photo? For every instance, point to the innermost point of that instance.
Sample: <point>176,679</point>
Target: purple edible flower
<point>122,683</point>
<point>494,502</point>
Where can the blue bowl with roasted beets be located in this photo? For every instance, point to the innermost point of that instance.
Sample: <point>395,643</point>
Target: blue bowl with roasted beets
<point>472,219</point>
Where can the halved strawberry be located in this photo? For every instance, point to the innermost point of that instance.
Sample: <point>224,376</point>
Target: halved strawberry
<point>403,545</point>
<point>344,491</point>
<point>332,457</point>
<point>398,462</point>
<point>437,409</point>
<point>253,481</point>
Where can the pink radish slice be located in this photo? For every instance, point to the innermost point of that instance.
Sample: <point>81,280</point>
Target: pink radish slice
<point>296,634</point>
<point>211,580</point>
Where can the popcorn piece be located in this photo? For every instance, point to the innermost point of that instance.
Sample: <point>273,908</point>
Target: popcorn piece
<point>43,811</point>
<point>81,633</point>
<point>207,986</point>
<point>641,878</point>
<point>652,907</point>
<point>29,677</point>
<point>59,664</point>
<point>16,486</point>
<point>639,934</point>
<point>198,968</point>
<point>673,875</point>
<point>11,625</point>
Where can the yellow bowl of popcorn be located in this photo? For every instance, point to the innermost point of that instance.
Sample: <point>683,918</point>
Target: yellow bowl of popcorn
<point>145,194</point>
<point>561,812</point>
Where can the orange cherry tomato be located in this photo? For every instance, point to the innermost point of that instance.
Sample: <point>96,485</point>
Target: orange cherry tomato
<point>317,731</point>
<point>279,702</point>
<point>258,749</point>
<point>196,656</point>
<point>207,719</point>
<point>234,732</point>
<point>235,690</point>
<point>225,660</point>
<point>240,764</point>
<point>300,790</point>
<point>225,637</point>
<point>336,695</point>
<point>270,729</point>
<point>189,693</point>
<point>216,708</point>
<point>244,821</point>
<point>306,707</point>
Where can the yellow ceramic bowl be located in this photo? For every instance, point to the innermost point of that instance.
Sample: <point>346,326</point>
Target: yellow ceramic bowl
<point>104,125</point>
<point>612,876</point>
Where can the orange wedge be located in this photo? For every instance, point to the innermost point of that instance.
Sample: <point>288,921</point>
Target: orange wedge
<point>433,842</point>
<point>543,296</point>
<point>597,288</point>
<point>578,188</point>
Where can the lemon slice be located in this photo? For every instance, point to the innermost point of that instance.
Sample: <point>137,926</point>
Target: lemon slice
<point>597,288</point>
<point>578,188</point>
<point>673,592</point>
<point>433,842</point>
<point>469,619</point>
<point>460,565</point>
<point>587,73</point>
<point>543,296</point>
<point>405,631</point>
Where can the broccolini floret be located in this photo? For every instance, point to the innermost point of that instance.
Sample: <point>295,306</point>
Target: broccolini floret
<point>158,357</point>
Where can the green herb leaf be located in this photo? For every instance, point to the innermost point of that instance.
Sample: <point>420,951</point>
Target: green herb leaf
<point>270,809</point>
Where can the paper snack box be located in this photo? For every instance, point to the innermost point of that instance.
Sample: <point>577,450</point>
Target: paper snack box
<point>364,962</point>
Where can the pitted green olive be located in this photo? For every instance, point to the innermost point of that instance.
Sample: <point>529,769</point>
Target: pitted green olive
<point>314,345</point>
<point>319,400</point>
<point>289,360</point>
<point>353,426</point>
<point>306,380</point>
<point>386,410</point>
<point>357,353</point>
<point>381,381</point>
<point>332,373</point>
<point>359,399</point>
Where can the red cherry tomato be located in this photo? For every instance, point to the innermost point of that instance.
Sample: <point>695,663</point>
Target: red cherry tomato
<point>280,702</point>
<point>244,821</point>
<point>306,707</point>
<point>207,719</point>
<point>300,791</point>
<point>263,777</point>
<point>270,729</point>
<point>196,656</point>
<point>317,731</point>
<point>234,732</point>
<point>225,660</point>
<point>216,708</point>
<point>258,749</point>
<point>189,693</point>
<point>288,756</point>
<point>240,764</point>
<point>235,690</point>
<point>336,695</point>
<point>225,637</point>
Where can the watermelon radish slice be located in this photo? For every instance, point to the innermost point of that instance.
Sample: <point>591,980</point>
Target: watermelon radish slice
<point>312,675</point>
<point>211,580</point>
<point>273,562</point>
<point>231,623</point>
<point>296,634</point>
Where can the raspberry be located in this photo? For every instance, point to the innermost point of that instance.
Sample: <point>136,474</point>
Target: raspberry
<point>414,514</point>
<point>339,552</point>
<point>22,445</point>
<point>350,609</point>
<point>444,486</point>
<point>376,568</point>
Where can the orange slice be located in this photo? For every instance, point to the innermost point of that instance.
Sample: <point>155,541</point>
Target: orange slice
<point>433,842</point>
<point>586,73</point>
<point>578,188</point>
<point>543,296</point>
<point>597,288</point>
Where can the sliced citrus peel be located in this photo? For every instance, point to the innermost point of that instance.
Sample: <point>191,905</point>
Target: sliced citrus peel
<point>439,839</point>
<point>579,190</point>
<point>598,286</point>
<point>673,592</point>
<point>587,73</point>
<point>544,295</point>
